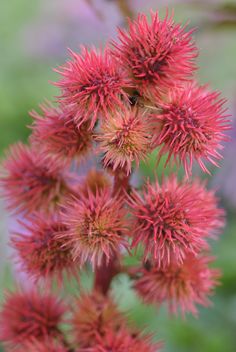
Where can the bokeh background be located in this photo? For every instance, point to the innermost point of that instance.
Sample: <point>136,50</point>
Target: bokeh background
<point>34,37</point>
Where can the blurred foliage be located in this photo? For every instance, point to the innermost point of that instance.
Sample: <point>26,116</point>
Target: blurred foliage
<point>24,83</point>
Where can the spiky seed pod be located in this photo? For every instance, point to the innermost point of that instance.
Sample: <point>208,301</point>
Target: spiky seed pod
<point>182,287</point>
<point>56,130</point>
<point>125,138</point>
<point>32,180</point>
<point>26,316</point>
<point>41,250</point>
<point>156,55</point>
<point>95,180</point>
<point>191,126</point>
<point>93,314</point>
<point>97,226</point>
<point>124,341</point>
<point>173,219</point>
<point>41,346</point>
<point>92,85</point>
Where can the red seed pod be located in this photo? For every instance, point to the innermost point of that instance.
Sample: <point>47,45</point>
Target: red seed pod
<point>41,250</point>
<point>41,346</point>
<point>182,287</point>
<point>93,314</point>
<point>95,180</point>
<point>26,316</point>
<point>56,130</point>
<point>173,219</point>
<point>156,55</point>
<point>124,341</point>
<point>32,180</point>
<point>97,226</point>
<point>190,126</point>
<point>125,138</point>
<point>92,85</point>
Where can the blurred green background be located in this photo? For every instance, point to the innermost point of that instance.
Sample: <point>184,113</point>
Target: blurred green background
<point>34,36</point>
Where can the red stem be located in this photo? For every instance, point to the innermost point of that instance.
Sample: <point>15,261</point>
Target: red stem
<point>106,271</point>
<point>121,183</point>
